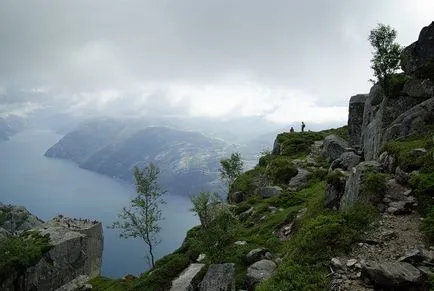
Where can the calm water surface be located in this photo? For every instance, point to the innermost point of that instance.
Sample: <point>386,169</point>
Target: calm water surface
<point>48,187</point>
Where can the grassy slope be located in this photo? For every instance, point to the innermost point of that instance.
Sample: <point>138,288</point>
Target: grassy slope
<point>319,235</point>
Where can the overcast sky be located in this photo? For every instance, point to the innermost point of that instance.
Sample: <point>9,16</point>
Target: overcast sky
<point>287,60</point>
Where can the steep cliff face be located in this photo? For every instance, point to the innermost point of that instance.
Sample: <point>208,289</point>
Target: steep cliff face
<point>75,250</point>
<point>406,109</point>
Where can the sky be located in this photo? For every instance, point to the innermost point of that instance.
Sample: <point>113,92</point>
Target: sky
<point>284,60</point>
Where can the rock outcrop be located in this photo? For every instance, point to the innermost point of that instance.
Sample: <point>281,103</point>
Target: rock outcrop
<point>259,272</point>
<point>419,56</point>
<point>186,281</point>
<point>333,147</point>
<point>76,250</point>
<point>355,118</point>
<point>219,277</point>
<point>16,219</point>
<point>353,187</point>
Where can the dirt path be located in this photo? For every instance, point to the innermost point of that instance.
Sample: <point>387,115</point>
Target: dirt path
<point>394,236</point>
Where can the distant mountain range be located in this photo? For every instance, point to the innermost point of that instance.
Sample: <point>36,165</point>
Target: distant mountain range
<point>188,160</point>
<point>11,125</point>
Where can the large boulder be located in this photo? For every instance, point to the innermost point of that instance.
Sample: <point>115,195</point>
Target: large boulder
<point>219,277</point>
<point>355,118</point>
<point>187,280</point>
<point>381,113</point>
<point>76,250</point>
<point>335,189</point>
<point>257,254</point>
<point>419,56</point>
<point>392,274</point>
<point>300,180</point>
<point>413,121</point>
<point>333,147</point>
<point>348,160</point>
<point>259,272</point>
<point>270,191</point>
<point>353,193</point>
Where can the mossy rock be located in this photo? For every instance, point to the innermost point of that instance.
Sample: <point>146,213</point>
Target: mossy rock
<point>280,170</point>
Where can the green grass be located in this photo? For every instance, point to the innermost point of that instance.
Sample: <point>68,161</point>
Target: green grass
<point>280,170</point>
<point>297,144</point>
<point>321,235</point>
<point>21,252</point>
<point>402,150</point>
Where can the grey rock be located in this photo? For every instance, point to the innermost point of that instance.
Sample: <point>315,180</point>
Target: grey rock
<point>270,191</point>
<point>17,219</point>
<point>382,120</point>
<point>333,147</point>
<point>352,193</point>
<point>355,118</point>
<point>336,164</point>
<point>395,191</point>
<point>412,121</point>
<point>393,274</point>
<point>219,277</point>
<point>300,180</point>
<point>78,284</point>
<point>240,242</point>
<point>423,89</point>
<point>337,264</point>
<point>256,255</point>
<point>77,243</point>
<point>351,262</point>
<point>276,147</point>
<point>418,153</point>
<point>334,191</point>
<point>417,56</point>
<point>418,256</point>
<point>187,280</point>
<point>246,213</point>
<point>387,161</point>
<point>400,207</point>
<point>259,272</point>
<point>401,176</point>
<point>349,160</point>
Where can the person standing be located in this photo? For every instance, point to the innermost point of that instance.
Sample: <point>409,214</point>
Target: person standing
<point>302,126</point>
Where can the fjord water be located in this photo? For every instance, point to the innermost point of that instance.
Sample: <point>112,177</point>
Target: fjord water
<point>48,187</point>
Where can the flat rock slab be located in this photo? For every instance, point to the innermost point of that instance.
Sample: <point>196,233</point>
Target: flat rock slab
<point>260,271</point>
<point>185,281</point>
<point>394,274</point>
<point>220,277</point>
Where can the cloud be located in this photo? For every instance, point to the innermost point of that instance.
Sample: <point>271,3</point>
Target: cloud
<point>284,59</point>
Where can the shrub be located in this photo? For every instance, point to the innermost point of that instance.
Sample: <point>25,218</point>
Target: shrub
<point>423,186</point>
<point>297,144</point>
<point>21,252</point>
<point>247,181</point>
<point>395,84</point>
<point>427,226</point>
<point>373,187</point>
<point>281,170</point>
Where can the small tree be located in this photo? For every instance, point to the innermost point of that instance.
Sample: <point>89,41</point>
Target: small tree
<point>231,168</point>
<point>386,55</point>
<point>142,218</point>
<point>204,207</point>
<point>218,225</point>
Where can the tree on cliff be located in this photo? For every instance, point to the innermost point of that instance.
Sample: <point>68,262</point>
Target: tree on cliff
<point>386,53</point>
<point>219,226</point>
<point>204,206</point>
<point>231,168</point>
<point>142,218</point>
